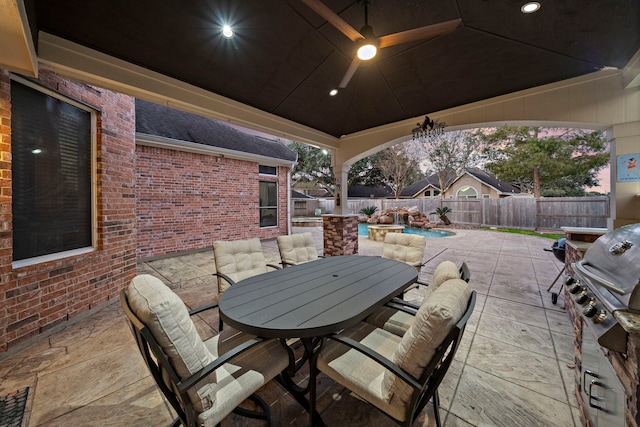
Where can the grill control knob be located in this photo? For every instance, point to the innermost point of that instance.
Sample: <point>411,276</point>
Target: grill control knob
<point>591,309</point>
<point>582,297</point>
<point>600,317</point>
<point>575,288</point>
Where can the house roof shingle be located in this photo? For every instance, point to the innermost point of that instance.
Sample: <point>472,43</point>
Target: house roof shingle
<point>492,181</point>
<point>158,120</point>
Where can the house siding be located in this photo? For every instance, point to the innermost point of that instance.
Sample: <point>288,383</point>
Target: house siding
<point>186,201</point>
<point>40,297</point>
<point>466,180</point>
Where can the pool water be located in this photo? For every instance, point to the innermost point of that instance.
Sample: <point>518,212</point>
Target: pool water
<point>362,231</point>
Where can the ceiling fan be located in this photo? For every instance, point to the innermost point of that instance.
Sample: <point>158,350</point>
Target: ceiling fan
<point>366,41</point>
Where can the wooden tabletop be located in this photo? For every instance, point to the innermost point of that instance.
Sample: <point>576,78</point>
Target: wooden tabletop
<point>315,298</point>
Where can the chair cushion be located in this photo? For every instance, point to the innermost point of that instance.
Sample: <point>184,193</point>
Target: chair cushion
<point>408,248</point>
<point>297,248</point>
<point>397,322</point>
<point>168,320</point>
<point>435,318</point>
<point>360,373</point>
<point>244,375</point>
<point>390,319</point>
<point>444,271</point>
<point>238,259</point>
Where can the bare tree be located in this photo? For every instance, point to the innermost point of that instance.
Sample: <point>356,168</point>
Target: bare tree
<point>398,168</point>
<point>447,155</point>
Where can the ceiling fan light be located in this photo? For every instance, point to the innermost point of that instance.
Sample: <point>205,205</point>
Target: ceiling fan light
<point>530,7</point>
<point>227,32</point>
<point>367,51</point>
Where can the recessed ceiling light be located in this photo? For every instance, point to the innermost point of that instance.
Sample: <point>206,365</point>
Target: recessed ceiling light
<point>227,32</point>
<point>530,7</point>
<point>36,151</point>
<point>333,92</point>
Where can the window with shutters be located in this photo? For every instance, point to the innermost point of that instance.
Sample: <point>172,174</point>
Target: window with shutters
<point>52,148</point>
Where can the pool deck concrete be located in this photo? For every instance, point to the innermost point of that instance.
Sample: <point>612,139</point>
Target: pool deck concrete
<point>513,367</point>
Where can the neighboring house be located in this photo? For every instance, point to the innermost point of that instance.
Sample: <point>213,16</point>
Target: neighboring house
<point>200,180</point>
<point>427,188</point>
<point>304,205</point>
<point>476,183</point>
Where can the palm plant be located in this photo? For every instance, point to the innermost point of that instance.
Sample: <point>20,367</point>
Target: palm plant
<point>442,213</point>
<point>368,210</point>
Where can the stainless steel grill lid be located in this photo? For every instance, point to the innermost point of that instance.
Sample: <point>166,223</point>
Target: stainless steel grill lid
<point>613,262</point>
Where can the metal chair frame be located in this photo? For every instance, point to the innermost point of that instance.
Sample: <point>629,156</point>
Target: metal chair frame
<point>157,362</point>
<point>425,387</point>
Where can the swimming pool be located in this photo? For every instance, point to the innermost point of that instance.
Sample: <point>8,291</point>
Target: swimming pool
<point>362,231</point>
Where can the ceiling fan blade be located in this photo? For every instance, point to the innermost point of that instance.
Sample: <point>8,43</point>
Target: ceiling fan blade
<point>420,33</point>
<point>332,18</point>
<point>350,72</point>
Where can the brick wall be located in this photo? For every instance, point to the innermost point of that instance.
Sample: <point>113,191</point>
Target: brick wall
<point>35,299</point>
<point>186,201</point>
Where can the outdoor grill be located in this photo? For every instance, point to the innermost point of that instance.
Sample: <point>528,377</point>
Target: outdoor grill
<point>607,285</point>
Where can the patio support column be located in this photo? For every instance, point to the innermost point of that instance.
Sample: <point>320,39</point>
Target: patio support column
<point>340,234</point>
<point>340,229</point>
<point>625,189</point>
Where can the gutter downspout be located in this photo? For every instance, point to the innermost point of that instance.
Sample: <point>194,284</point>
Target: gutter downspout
<point>289,200</point>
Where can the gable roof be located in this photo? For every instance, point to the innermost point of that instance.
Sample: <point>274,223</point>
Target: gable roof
<point>298,195</point>
<point>418,187</point>
<point>167,126</point>
<point>492,181</point>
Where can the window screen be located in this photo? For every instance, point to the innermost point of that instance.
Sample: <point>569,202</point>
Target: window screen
<point>51,170</point>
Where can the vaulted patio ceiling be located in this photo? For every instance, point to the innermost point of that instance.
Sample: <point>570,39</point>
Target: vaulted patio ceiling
<point>285,58</point>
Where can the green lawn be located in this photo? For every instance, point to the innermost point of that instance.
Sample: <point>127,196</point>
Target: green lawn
<point>553,236</point>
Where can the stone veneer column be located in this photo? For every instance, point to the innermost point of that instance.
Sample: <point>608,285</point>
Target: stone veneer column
<point>340,234</point>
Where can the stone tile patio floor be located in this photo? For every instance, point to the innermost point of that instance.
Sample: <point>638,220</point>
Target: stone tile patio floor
<point>512,368</point>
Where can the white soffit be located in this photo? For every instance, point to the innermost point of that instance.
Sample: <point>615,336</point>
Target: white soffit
<point>17,52</point>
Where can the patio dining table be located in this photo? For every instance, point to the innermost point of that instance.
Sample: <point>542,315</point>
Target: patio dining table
<point>312,300</point>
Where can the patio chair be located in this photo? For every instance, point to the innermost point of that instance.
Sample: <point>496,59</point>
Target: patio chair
<point>398,315</point>
<point>204,381</point>
<point>407,248</point>
<point>297,249</point>
<point>399,375</point>
<point>236,260</point>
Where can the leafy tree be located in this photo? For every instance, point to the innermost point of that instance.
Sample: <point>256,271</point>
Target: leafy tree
<point>365,172</point>
<point>545,161</point>
<point>447,155</point>
<point>398,168</point>
<point>314,166</point>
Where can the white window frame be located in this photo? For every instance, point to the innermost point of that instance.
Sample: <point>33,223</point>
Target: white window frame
<point>93,185</point>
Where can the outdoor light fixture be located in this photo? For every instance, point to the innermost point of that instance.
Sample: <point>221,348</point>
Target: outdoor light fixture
<point>333,92</point>
<point>369,46</point>
<point>227,32</point>
<point>530,7</point>
<point>428,129</point>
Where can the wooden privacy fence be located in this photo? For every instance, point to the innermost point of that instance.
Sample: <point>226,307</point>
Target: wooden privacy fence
<point>548,213</point>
